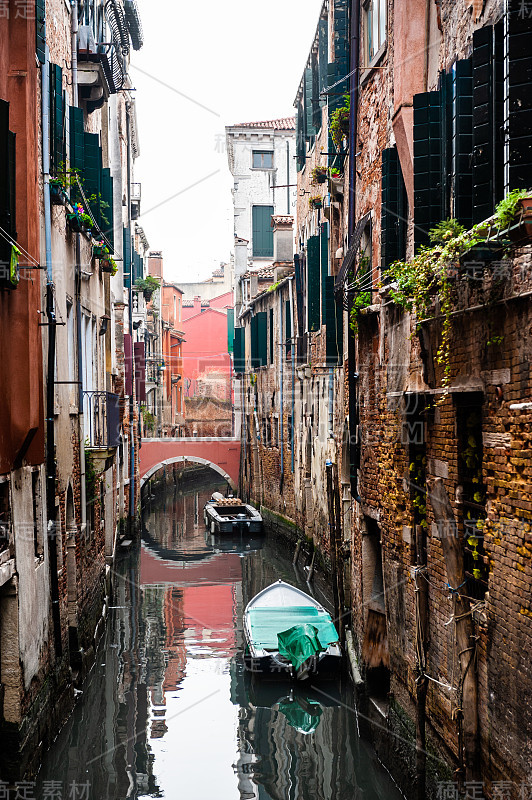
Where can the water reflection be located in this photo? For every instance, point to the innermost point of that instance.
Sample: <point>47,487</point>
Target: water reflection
<point>170,711</point>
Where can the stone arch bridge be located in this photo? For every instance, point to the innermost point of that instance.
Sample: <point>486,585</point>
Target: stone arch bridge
<point>220,454</point>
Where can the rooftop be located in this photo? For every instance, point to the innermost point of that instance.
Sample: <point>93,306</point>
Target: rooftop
<point>282,124</point>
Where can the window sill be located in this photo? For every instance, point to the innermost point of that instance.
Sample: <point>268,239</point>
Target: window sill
<point>370,69</point>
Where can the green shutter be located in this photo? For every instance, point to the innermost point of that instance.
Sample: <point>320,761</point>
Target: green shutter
<point>92,172</point>
<point>428,173</point>
<point>126,255</point>
<point>40,29</point>
<point>239,351</point>
<point>301,138</point>
<point>77,147</point>
<point>313,283</point>
<point>262,338</point>
<point>271,337</point>
<point>230,329</point>
<point>309,104</point>
<point>288,326</point>
<point>462,141</point>
<point>106,207</point>
<point>323,53</point>
<point>488,121</point>
<point>262,231</point>
<point>341,40</point>
<point>334,325</point>
<point>57,121</point>
<point>254,342</point>
<point>394,209</point>
<point>519,100</point>
<point>324,265</point>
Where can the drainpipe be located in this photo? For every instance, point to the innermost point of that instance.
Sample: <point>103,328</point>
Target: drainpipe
<point>281,378</point>
<point>351,343</point>
<point>74,31</point>
<point>353,117</point>
<point>293,348</point>
<point>81,427</point>
<point>50,378</point>
<point>130,307</point>
<point>288,179</point>
<point>331,401</point>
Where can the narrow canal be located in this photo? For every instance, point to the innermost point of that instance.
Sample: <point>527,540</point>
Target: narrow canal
<point>168,710</point>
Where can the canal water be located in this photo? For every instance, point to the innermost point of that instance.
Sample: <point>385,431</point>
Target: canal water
<point>168,710</point>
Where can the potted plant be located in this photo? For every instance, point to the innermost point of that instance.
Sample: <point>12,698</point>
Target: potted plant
<point>318,175</point>
<point>108,264</point>
<point>335,174</point>
<point>147,286</point>
<point>339,122</point>
<point>57,193</point>
<point>513,215</point>
<point>315,201</point>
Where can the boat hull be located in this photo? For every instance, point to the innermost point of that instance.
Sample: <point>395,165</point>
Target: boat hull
<point>275,610</point>
<point>218,524</point>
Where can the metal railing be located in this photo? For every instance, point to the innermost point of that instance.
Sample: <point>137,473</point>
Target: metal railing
<point>102,419</point>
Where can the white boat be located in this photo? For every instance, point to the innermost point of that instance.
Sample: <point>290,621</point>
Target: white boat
<point>287,631</point>
<point>231,515</point>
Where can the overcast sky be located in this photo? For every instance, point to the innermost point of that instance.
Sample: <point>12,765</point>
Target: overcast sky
<point>238,61</point>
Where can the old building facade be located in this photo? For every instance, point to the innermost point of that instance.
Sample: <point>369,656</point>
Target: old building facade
<point>72,364</point>
<point>410,409</point>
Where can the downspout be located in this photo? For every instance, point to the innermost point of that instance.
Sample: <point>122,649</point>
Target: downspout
<point>353,115</point>
<point>351,342</point>
<point>331,401</point>
<point>288,178</point>
<point>50,379</point>
<point>281,380</point>
<point>130,308</point>
<point>75,98</point>
<point>293,349</point>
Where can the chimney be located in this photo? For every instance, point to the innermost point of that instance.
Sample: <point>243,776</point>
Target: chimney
<point>155,264</point>
<point>283,245</point>
<point>241,257</point>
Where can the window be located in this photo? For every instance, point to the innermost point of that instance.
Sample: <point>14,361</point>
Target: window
<point>262,235</point>
<point>262,159</point>
<point>374,27</point>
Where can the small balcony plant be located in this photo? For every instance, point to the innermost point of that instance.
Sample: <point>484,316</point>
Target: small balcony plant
<point>339,123</point>
<point>318,175</point>
<point>315,201</point>
<point>78,220</point>
<point>147,286</point>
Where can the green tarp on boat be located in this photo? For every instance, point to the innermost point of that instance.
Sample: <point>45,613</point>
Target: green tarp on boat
<point>291,624</point>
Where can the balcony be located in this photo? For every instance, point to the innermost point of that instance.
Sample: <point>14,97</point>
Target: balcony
<point>101,412</point>
<point>101,70</point>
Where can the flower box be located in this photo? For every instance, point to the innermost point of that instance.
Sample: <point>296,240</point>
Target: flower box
<point>75,223</point>
<point>57,194</point>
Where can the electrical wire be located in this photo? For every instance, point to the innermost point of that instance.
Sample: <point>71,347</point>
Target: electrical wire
<point>5,235</point>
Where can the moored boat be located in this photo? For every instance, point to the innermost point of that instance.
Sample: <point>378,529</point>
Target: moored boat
<point>287,631</point>
<point>231,515</point>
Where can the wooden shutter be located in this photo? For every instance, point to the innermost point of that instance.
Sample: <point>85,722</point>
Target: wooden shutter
<point>518,49</point>
<point>394,209</point>
<point>462,141</point>
<point>288,327</point>
<point>7,208</point>
<point>271,337</point>
<point>488,120</point>
<point>262,231</point>
<point>313,283</point>
<point>428,173</point>
<point>57,121</point>
<point>323,54</point>
<point>309,105</point>
<point>92,173</point>
<point>254,342</point>
<point>108,211</point>
<point>239,351</point>
<point>77,146</point>
<point>334,324</point>
<point>40,29</point>
<point>341,38</point>
<point>324,265</point>
<point>126,255</point>
<point>230,329</point>
<point>262,339</point>
<point>301,138</point>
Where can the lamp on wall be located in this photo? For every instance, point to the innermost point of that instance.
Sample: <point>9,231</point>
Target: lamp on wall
<point>105,319</point>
